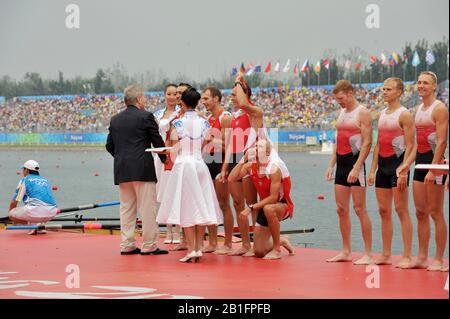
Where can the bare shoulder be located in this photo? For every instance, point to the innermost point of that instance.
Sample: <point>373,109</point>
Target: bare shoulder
<point>441,108</point>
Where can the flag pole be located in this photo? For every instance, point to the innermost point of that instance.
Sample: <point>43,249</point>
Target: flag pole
<point>329,80</point>
<point>404,72</point>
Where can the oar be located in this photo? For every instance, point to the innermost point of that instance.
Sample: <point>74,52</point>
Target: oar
<point>88,206</point>
<point>86,226</point>
<point>81,219</point>
<point>72,209</point>
<point>285,232</point>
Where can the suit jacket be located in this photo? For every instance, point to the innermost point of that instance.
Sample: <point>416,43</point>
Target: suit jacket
<point>130,133</point>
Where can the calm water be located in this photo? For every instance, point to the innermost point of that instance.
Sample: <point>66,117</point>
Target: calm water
<point>78,185</point>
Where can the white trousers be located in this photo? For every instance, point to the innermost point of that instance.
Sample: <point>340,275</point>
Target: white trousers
<point>138,197</point>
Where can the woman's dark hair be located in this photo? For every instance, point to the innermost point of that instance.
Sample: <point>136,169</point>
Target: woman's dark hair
<point>191,97</point>
<point>169,86</point>
<point>186,85</point>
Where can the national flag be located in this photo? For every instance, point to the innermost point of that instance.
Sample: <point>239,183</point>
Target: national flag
<point>383,59</point>
<point>416,60</point>
<point>373,59</point>
<point>296,67</point>
<point>258,68</point>
<point>405,59</point>
<point>348,64</point>
<point>317,67</point>
<point>430,57</point>
<point>249,70</point>
<point>268,67</point>
<point>358,66</point>
<point>234,71</point>
<point>287,66</point>
<point>394,58</point>
<point>305,67</point>
<point>277,67</point>
<point>326,64</point>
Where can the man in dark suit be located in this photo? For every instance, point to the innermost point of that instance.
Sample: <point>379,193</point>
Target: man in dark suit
<point>130,133</point>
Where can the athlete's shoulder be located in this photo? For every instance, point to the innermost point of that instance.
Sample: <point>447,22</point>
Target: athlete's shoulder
<point>441,105</point>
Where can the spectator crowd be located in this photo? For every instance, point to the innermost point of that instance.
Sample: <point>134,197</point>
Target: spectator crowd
<point>300,108</point>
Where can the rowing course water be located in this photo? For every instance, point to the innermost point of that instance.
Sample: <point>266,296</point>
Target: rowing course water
<point>74,174</point>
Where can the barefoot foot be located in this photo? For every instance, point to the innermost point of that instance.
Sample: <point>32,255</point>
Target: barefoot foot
<point>342,257</point>
<point>250,253</point>
<point>284,241</point>
<point>405,263</point>
<point>239,252</point>
<point>364,260</point>
<point>383,260</point>
<point>420,264</point>
<point>273,254</point>
<point>209,249</point>
<point>436,265</point>
<point>225,250</point>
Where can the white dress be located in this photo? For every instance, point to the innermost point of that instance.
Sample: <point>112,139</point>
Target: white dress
<point>190,198</point>
<point>161,174</point>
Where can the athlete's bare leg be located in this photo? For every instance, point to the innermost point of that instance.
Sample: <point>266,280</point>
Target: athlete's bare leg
<point>359,205</point>
<point>401,207</point>
<point>384,199</point>
<point>223,196</point>
<point>423,223</point>
<point>237,193</point>
<point>436,206</point>
<point>342,195</point>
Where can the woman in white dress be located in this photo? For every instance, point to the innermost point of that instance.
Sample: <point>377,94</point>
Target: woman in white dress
<point>190,199</point>
<point>164,117</point>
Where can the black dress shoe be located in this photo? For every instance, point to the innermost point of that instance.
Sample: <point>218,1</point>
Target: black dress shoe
<point>133,252</point>
<point>157,251</point>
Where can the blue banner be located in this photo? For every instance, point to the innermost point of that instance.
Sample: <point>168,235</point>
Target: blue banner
<point>53,138</point>
<point>290,137</point>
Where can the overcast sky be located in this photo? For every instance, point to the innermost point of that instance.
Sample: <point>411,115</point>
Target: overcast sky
<point>202,38</point>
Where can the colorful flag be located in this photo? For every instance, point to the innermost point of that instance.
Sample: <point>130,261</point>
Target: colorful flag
<point>326,64</point>
<point>430,57</point>
<point>394,58</point>
<point>296,67</point>
<point>373,59</point>
<point>268,67</point>
<point>416,60</point>
<point>287,66</point>
<point>258,68</point>
<point>277,67</point>
<point>383,59</point>
<point>305,67</point>
<point>358,66</point>
<point>234,71</point>
<point>317,67</point>
<point>249,70</point>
